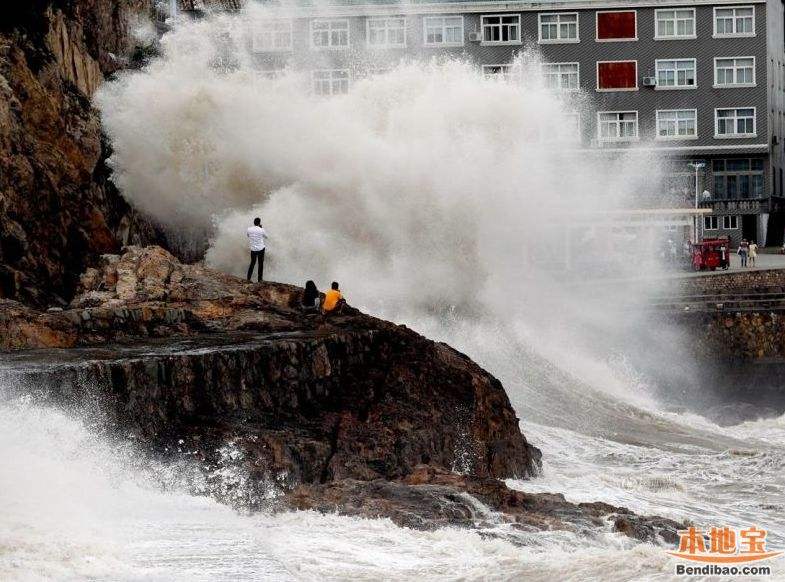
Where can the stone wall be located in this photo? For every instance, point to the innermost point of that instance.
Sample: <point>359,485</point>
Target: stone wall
<point>772,280</point>
<point>739,336</point>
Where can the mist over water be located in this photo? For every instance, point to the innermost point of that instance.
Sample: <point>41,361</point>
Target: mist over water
<point>444,200</point>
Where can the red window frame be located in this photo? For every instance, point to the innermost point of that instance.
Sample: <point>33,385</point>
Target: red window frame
<point>616,25</point>
<point>617,75</point>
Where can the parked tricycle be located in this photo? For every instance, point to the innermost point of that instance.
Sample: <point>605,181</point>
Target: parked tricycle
<point>711,254</point>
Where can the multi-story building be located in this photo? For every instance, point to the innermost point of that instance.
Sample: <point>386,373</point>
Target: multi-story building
<point>700,82</point>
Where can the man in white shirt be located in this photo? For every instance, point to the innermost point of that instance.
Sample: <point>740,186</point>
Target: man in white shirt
<point>256,237</point>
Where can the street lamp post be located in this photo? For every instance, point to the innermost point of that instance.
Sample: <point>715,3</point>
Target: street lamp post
<point>698,166</point>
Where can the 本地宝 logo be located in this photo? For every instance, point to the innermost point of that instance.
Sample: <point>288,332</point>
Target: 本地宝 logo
<point>723,551</point>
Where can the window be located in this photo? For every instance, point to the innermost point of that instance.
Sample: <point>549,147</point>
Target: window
<point>559,27</point>
<point>738,21</point>
<point>675,23</point>
<point>677,123</point>
<point>617,26</point>
<point>331,82</point>
<point>709,223</point>
<point>565,130</point>
<point>272,35</point>
<point>730,222</point>
<point>736,178</point>
<point>734,122</point>
<point>561,76</point>
<point>734,72</point>
<point>502,29</point>
<point>386,32</point>
<point>675,74</point>
<point>330,33</point>
<point>617,75</point>
<point>504,72</point>
<point>443,30</point>
<point>617,125</point>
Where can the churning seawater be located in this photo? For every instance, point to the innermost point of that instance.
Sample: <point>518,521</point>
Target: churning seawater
<point>437,198</point>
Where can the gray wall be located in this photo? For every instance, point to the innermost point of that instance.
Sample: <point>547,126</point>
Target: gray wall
<point>587,52</point>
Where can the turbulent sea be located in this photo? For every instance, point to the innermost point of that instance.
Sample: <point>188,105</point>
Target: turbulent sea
<point>438,199</point>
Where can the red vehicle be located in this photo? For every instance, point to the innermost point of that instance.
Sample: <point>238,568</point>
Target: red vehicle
<point>711,254</point>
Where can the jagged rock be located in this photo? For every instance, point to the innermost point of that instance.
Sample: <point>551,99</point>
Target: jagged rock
<point>430,497</point>
<point>21,327</point>
<point>346,413</point>
<point>378,397</point>
<point>58,211</point>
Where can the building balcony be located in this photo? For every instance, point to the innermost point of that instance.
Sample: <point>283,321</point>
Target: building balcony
<point>745,206</point>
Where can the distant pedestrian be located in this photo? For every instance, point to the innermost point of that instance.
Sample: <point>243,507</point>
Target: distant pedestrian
<point>310,302</point>
<point>333,300</point>
<point>753,253</point>
<point>743,251</point>
<point>256,238</point>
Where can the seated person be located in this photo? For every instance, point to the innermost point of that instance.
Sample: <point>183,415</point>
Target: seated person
<point>310,301</point>
<point>333,300</point>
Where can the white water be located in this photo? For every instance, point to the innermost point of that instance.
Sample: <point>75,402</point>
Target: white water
<point>425,193</point>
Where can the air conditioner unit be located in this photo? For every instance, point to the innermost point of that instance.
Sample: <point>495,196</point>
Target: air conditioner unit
<point>650,81</point>
<point>475,37</point>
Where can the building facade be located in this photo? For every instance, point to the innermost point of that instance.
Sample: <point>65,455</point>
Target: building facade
<point>699,82</point>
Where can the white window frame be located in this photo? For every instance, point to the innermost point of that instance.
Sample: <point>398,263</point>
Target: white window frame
<point>559,74</point>
<point>597,73</point>
<point>601,139</point>
<point>509,71</point>
<point>331,46</point>
<point>597,26</point>
<point>559,39</point>
<point>709,220</point>
<point>259,28</point>
<point>331,93</point>
<point>500,15</point>
<point>677,136</point>
<point>728,220</point>
<point>676,35</point>
<point>733,34</point>
<point>735,68</point>
<point>659,87</point>
<point>754,133</point>
<point>387,44</point>
<point>442,44</point>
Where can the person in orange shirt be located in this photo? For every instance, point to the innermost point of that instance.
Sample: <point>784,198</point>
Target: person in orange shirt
<point>333,300</point>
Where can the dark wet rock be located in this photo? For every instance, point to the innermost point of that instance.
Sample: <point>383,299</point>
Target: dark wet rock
<point>429,498</point>
<point>345,413</point>
<point>315,398</point>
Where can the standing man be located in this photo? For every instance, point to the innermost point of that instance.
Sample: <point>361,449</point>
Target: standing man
<point>256,237</point>
<point>743,251</point>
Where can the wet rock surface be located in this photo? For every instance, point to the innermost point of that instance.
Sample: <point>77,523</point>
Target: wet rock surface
<point>344,413</point>
<point>430,497</point>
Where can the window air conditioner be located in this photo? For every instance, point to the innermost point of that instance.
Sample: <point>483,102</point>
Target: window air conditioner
<point>475,37</point>
<point>650,81</point>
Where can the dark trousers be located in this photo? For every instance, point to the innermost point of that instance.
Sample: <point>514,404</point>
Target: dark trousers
<point>256,255</point>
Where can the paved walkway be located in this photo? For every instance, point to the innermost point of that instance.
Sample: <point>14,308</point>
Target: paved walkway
<point>767,260</point>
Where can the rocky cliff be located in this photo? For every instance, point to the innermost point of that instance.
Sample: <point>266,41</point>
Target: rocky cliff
<point>57,210</point>
<point>310,397</point>
<point>343,413</point>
